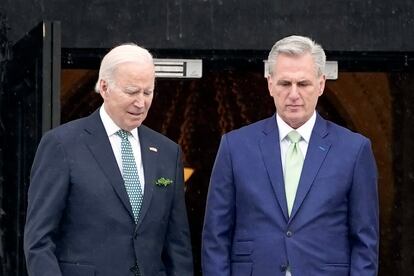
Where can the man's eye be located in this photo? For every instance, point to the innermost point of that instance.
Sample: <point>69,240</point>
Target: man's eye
<point>129,92</point>
<point>284,84</point>
<point>303,84</point>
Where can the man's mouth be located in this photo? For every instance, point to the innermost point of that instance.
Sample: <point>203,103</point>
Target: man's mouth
<point>135,113</point>
<point>294,106</point>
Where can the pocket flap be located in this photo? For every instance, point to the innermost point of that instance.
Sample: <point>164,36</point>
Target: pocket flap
<point>69,269</point>
<point>243,248</point>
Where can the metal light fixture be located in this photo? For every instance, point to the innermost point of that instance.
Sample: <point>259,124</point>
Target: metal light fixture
<point>178,68</point>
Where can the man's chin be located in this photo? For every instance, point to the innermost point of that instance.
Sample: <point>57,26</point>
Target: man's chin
<point>295,121</point>
<point>136,120</point>
<point>130,125</point>
<point>135,125</point>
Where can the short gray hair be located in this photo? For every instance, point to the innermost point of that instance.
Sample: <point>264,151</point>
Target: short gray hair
<point>296,46</point>
<point>128,52</point>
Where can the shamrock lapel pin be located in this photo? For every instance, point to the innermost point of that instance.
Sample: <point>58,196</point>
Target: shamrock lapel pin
<point>163,182</point>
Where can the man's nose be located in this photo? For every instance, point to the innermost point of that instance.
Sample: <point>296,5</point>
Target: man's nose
<point>139,100</point>
<point>294,91</point>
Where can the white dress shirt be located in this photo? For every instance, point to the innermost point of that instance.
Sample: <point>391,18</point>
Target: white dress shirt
<point>111,128</point>
<point>305,132</point>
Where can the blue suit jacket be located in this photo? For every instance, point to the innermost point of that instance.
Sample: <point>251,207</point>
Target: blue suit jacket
<point>79,219</point>
<point>333,228</point>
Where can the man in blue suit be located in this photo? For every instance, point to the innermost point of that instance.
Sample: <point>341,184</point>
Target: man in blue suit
<point>106,195</point>
<point>280,205</point>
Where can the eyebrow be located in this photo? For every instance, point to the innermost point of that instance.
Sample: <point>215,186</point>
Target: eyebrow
<point>304,81</point>
<point>284,81</point>
<point>131,89</point>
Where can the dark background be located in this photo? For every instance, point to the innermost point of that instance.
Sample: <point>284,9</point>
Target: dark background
<point>373,41</point>
<point>352,25</point>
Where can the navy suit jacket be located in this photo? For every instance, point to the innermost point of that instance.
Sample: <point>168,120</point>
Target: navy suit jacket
<point>79,219</point>
<point>333,228</point>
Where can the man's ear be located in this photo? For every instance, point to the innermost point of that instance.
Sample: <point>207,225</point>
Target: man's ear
<point>103,88</point>
<point>322,82</point>
<point>270,84</point>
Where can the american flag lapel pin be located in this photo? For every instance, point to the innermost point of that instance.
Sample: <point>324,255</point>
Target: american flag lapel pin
<point>153,149</point>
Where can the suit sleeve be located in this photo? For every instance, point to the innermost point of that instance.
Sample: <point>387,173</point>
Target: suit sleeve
<point>178,251</point>
<point>46,201</point>
<point>364,214</point>
<point>219,217</point>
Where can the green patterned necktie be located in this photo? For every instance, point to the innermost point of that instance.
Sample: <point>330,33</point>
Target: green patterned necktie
<point>293,168</point>
<point>130,174</point>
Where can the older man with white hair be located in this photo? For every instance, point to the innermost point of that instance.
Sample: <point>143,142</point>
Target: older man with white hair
<point>106,195</point>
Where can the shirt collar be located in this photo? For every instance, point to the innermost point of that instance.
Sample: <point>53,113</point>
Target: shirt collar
<point>110,127</point>
<point>304,130</point>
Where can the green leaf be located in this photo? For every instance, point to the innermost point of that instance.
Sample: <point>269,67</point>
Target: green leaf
<point>163,182</point>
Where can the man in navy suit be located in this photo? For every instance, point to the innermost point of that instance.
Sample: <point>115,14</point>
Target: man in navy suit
<point>258,221</point>
<point>81,217</point>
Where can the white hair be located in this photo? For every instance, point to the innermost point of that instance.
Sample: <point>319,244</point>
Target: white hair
<point>124,53</point>
<point>296,46</point>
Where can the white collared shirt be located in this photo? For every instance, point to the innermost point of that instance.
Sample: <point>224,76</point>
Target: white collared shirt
<point>111,128</point>
<point>305,131</point>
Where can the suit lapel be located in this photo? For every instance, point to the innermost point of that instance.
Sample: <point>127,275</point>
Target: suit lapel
<point>98,143</point>
<point>317,149</point>
<point>270,149</point>
<point>149,155</point>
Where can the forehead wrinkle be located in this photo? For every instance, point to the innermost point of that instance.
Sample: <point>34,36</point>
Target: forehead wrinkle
<point>131,88</point>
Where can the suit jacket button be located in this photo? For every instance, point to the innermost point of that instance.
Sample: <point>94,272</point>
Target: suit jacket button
<point>283,268</point>
<point>289,233</point>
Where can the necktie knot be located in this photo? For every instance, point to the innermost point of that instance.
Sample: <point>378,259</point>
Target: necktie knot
<point>123,134</point>
<point>294,136</point>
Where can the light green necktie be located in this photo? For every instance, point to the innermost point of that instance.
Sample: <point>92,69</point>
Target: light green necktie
<point>130,174</point>
<point>293,168</point>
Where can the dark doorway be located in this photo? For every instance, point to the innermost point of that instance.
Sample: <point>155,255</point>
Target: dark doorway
<point>29,107</point>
